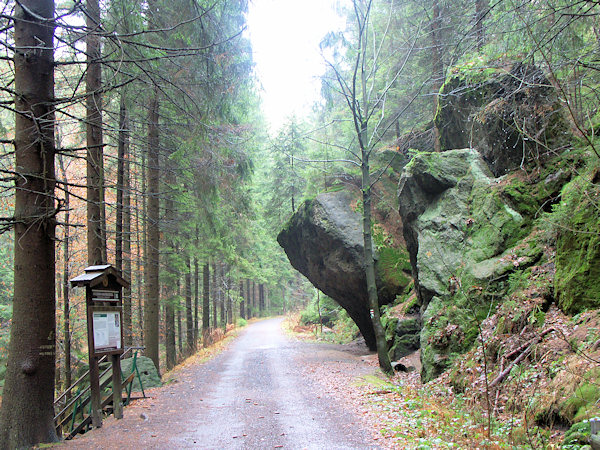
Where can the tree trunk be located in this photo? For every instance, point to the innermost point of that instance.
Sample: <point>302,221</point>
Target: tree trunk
<point>26,418</point>
<point>151,307</point>
<point>248,300</point>
<point>65,282</point>
<point>138,270</point>
<point>142,249</point>
<point>215,300</point>
<point>189,317</point>
<point>481,7</point>
<point>95,163</point>
<point>261,299</point>
<point>228,297</point>
<point>221,291</point>
<point>382,354</point>
<point>120,188</point>
<point>267,300</point>
<point>283,299</point>
<point>123,219</point>
<point>196,299</point>
<point>127,306</point>
<point>242,301</point>
<point>179,329</point>
<point>170,346</point>
<point>437,68</point>
<point>254,308</point>
<point>205,302</point>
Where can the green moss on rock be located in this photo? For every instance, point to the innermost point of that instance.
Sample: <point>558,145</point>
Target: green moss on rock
<point>578,434</point>
<point>147,370</point>
<point>577,219</point>
<point>402,335</point>
<point>392,264</point>
<point>404,346</point>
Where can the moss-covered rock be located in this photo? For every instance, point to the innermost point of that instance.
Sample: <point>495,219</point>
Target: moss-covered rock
<point>147,371</point>
<point>578,435</point>
<point>393,267</point>
<point>577,220</point>
<point>462,237</point>
<point>402,336</point>
<point>512,117</point>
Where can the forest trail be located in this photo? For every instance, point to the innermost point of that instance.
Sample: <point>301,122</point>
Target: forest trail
<point>258,393</point>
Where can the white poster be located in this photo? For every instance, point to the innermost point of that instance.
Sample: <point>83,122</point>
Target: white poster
<point>107,330</point>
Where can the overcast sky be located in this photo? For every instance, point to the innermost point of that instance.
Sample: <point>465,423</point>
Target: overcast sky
<point>285,37</point>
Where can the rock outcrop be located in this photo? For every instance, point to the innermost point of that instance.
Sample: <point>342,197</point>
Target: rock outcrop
<point>577,281</point>
<point>511,117</point>
<point>457,226</point>
<point>323,241</point>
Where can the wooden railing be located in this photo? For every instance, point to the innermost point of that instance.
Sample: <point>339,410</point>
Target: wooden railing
<point>72,408</point>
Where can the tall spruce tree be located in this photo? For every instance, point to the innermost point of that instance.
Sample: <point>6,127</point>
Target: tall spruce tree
<point>27,415</point>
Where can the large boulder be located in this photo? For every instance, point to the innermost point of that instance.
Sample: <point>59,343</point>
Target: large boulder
<point>323,240</point>
<point>457,227</point>
<point>511,117</point>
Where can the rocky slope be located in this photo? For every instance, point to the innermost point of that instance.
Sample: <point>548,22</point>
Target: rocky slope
<point>502,233</point>
<point>504,244</point>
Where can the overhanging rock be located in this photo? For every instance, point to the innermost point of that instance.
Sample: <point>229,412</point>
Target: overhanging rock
<point>323,240</point>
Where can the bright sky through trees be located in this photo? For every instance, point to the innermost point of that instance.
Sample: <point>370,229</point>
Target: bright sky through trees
<point>285,37</point>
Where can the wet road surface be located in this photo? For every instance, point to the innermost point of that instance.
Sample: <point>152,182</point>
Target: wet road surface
<point>253,395</point>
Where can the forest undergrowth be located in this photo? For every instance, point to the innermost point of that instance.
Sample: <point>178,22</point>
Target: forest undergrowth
<point>404,413</point>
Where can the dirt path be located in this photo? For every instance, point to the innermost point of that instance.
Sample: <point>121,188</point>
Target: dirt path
<point>259,393</point>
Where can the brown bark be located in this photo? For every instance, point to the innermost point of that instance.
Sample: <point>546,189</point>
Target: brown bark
<point>196,299</point>
<point>261,299</point>
<point>170,334</point>
<point>26,417</point>
<point>382,354</point>
<point>229,298</point>
<point>254,308</point>
<point>142,250</point>
<point>189,318</point>
<point>138,270</point>
<point>120,188</point>
<point>179,329</point>
<point>267,300</point>
<point>214,291</point>
<point>437,67</point>
<point>248,300</point>
<point>242,301</point>
<point>152,307</point>
<point>221,294</point>
<point>65,284</point>
<point>205,302</point>
<point>123,218</point>
<point>127,306</point>
<point>481,9</point>
<point>95,164</point>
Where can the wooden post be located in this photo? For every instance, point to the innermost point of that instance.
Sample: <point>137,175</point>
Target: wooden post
<point>117,387</point>
<point>95,392</point>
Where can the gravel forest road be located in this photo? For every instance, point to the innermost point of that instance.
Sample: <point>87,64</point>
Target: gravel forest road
<point>257,394</point>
